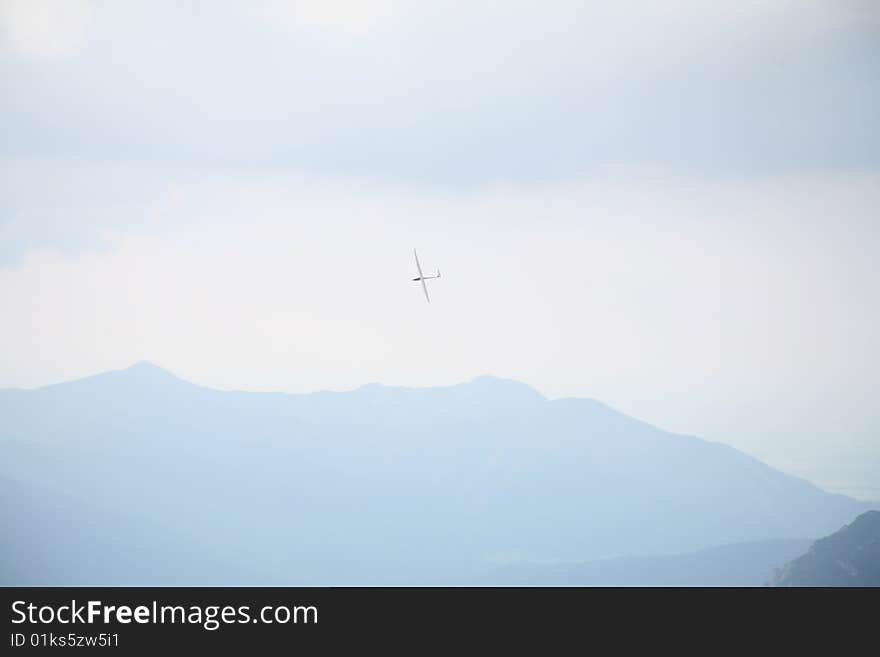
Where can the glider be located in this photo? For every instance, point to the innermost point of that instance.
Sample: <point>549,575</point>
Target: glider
<point>422,278</point>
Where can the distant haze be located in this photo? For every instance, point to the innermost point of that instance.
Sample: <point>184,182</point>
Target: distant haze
<point>179,483</point>
<point>673,210</point>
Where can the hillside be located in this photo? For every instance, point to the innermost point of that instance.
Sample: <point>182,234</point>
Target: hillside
<point>378,485</point>
<point>848,557</point>
<point>740,564</point>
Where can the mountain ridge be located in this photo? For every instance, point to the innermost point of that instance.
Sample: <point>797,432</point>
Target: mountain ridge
<point>738,564</point>
<point>391,485</point>
<point>848,557</point>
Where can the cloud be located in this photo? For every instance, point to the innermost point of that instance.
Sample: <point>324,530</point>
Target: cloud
<point>302,283</point>
<point>45,28</point>
<point>348,17</point>
<point>66,205</point>
<point>462,94</point>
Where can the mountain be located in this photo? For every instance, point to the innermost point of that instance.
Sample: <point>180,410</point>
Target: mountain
<point>741,564</point>
<point>848,557</point>
<point>379,485</point>
<point>50,538</point>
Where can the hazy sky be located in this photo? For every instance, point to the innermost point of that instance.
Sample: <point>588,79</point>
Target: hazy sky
<point>672,207</point>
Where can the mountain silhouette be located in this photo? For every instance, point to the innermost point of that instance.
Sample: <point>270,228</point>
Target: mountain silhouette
<point>740,564</point>
<point>379,485</point>
<point>848,557</point>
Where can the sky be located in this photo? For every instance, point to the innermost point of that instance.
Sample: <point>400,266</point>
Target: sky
<point>670,207</point>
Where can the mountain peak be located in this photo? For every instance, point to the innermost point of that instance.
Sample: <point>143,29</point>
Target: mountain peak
<point>142,374</point>
<point>503,387</point>
<point>144,369</point>
<point>144,366</point>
